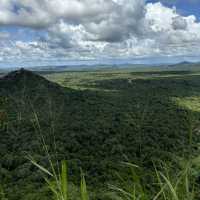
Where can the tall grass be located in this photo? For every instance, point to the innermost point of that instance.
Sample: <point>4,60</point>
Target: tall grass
<point>58,182</point>
<point>2,194</point>
<point>170,182</point>
<point>83,187</point>
<point>180,185</point>
<point>169,186</point>
<point>56,174</point>
<point>130,187</point>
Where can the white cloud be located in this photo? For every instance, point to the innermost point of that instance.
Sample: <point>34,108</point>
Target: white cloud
<point>173,33</point>
<point>98,28</point>
<point>105,19</point>
<point>42,13</point>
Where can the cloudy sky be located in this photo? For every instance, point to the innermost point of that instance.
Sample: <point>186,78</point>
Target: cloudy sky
<point>54,32</point>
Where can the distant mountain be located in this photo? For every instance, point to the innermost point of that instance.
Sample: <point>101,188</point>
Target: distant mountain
<point>183,64</point>
<point>186,63</point>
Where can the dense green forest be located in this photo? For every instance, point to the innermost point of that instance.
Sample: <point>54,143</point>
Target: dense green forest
<point>96,120</point>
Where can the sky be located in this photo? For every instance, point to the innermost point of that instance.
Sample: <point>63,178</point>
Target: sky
<point>62,32</point>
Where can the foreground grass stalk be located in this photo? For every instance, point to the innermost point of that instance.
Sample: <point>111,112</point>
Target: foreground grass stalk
<point>83,187</point>
<point>134,189</point>
<point>58,183</point>
<point>64,180</point>
<point>2,194</point>
<point>174,185</point>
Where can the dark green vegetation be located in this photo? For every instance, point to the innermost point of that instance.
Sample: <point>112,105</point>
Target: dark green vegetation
<point>94,120</point>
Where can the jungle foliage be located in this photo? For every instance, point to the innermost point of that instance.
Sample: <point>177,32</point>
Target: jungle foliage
<point>95,121</point>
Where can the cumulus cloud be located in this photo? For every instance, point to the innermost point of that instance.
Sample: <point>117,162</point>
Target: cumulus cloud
<point>98,28</point>
<point>173,34</point>
<point>42,13</point>
<point>17,12</point>
<point>106,20</point>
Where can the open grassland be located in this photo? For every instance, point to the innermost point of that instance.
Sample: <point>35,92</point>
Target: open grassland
<point>84,80</point>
